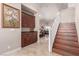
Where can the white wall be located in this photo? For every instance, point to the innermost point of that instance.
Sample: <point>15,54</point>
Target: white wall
<point>71,4</point>
<point>68,15</point>
<point>32,6</point>
<point>48,12</point>
<point>77,19</point>
<point>76,6</point>
<point>9,37</point>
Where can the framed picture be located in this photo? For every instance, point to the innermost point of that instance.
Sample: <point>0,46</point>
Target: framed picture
<point>11,17</point>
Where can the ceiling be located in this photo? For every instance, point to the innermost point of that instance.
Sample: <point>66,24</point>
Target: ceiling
<point>41,5</point>
<point>47,12</point>
<point>59,5</point>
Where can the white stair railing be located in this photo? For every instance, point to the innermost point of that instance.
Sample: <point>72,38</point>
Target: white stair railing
<point>52,32</point>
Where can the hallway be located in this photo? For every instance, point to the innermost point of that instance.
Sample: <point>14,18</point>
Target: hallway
<point>66,41</point>
<point>59,21</point>
<point>36,49</point>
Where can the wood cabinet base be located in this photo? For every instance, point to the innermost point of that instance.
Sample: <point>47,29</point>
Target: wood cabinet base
<point>28,38</point>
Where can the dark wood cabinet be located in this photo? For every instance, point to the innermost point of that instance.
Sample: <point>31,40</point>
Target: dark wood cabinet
<point>28,21</point>
<point>28,38</point>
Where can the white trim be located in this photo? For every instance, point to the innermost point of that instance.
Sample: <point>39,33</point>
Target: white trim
<point>49,40</point>
<point>12,51</point>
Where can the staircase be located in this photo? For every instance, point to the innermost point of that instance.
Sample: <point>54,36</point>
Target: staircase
<point>66,41</point>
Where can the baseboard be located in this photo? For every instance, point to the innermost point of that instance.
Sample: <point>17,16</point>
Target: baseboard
<point>12,51</point>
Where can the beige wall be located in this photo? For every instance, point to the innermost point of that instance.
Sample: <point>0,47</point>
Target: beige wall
<point>9,37</point>
<point>77,19</point>
<point>68,15</point>
<point>76,6</point>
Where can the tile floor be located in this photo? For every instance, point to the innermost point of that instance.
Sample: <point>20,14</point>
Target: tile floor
<point>36,49</point>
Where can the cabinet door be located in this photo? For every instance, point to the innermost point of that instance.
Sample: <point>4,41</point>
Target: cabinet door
<point>32,22</point>
<point>23,19</point>
<point>34,36</point>
<point>28,38</point>
<point>24,39</point>
<point>28,21</point>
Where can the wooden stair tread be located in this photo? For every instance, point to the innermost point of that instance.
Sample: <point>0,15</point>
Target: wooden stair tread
<point>66,34</point>
<point>62,28</point>
<point>72,26</point>
<point>67,31</point>
<point>70,49</point>
<point>67,38</point>
<point>66,42</point>
<point>66,27</point>
<point>61,52</point>
<point>66,24</point>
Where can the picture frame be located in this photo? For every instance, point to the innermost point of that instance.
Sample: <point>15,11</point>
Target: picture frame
<point>10,17</point>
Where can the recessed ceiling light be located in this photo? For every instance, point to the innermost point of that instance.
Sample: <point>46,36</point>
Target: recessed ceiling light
<point>39,15</point>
